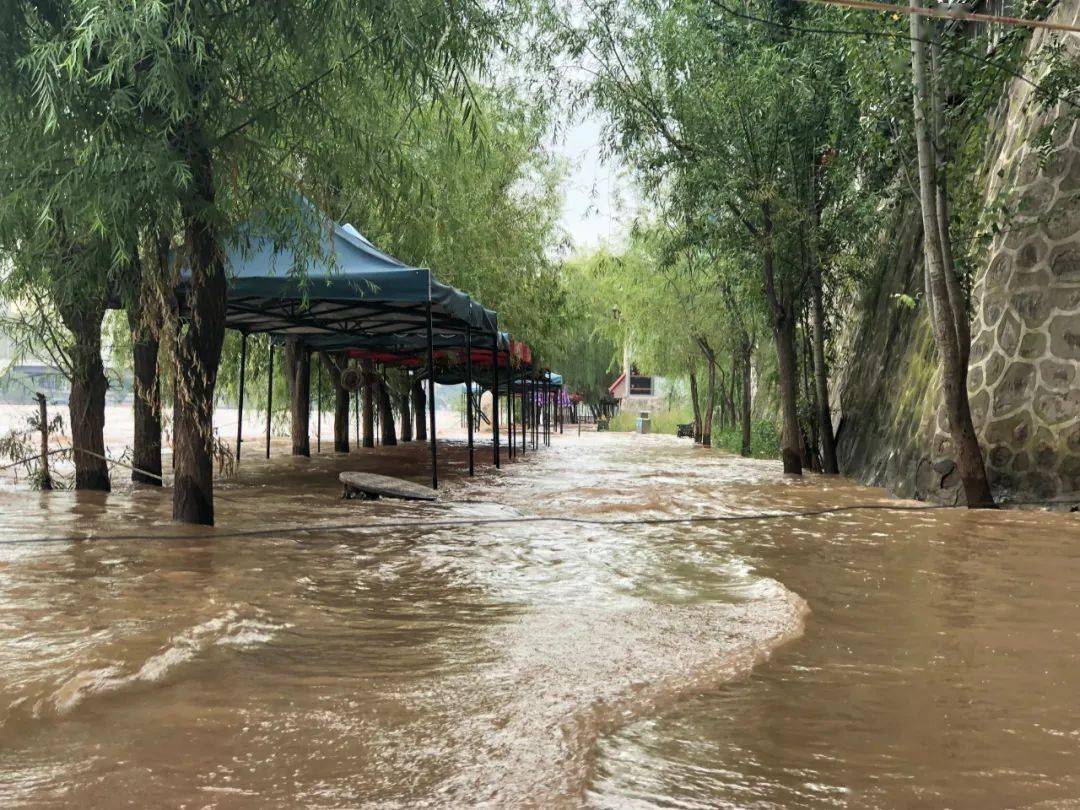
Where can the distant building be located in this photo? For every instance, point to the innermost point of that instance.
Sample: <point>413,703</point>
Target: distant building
<point>21,377</point>
<point>23,374</point>
<point>635,391</point>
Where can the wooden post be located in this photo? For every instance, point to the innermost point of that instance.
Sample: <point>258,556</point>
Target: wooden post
<point>43,423</point>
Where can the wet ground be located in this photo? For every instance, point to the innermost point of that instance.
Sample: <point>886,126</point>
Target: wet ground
<point>348,656</point>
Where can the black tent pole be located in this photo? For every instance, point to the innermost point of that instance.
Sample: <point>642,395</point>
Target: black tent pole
<point>469,397</point>
<point>318,401</point>
<point>240,405</point>
<point>543,406</point>
<point>356,416</point>
<point>543,411</point>
<point>540,411</point>
<point>269,396</point>
<point>495,396</point>
<point>547,410</point>
<point>431,397</point>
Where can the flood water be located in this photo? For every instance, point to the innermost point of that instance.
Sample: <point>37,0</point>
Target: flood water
<point>343,657</point>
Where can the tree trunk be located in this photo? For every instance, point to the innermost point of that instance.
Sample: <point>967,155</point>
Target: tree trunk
<point>697,406</point>
<point>386,414</point>
<point>341,401</point>
<point>948,333</point>
<point>791,435</point>
<point>367,396</point>
<point>419,400</point>
<point>721,400</point>
<point>810,457</point>
<point>783,323</point>
<point>198,350</point>
<point>731,387</point>
<point>86,404</point>
<point>823,411</point>
<point>298,370</point>
<point>146,410</point>
<point>710,406</point>
<point>406,417</point>
<point>829,463</point>
<point>747,357</point>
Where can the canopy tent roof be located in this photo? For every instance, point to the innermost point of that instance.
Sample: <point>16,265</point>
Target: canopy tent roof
<point>450,359</point>
<point>395,348</point>
<point>351,292</point>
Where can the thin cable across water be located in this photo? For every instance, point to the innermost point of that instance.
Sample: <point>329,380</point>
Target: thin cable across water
<point>237,534</point>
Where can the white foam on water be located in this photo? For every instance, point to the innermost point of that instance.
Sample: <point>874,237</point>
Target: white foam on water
<point>570,677</point>
<point>231,629</point>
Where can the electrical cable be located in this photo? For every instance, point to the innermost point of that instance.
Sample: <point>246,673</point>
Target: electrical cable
<point>237,534</point>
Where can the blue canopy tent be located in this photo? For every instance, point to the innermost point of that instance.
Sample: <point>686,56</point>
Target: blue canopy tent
<point>352,292</point>
<point>347,293</point>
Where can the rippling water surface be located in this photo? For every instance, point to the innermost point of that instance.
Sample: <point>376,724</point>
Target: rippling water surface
<point>332,663</point>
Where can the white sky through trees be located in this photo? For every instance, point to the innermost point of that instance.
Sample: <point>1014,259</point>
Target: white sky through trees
<point>598,203</point>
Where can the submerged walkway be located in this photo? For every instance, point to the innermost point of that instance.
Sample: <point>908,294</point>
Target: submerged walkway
<point>556,664</point>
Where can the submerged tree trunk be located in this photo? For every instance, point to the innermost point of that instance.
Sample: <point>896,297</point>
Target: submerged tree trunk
<point>146,409</point>
<point>810,459</point>
<point>829,463</point>
<point>731,388</point>
<point>710,406</point>
<point>783,324</point>
<point>367,396</point>
<point>406,417</point>
<point>341,400</point>
<point>386,414</point>
<point>721,403</point>
<point>822,411</point>
<point>791,435</point>
<point>697,406</point>
<point>419,399</point>
<point>710,393</point>
<point>298,370</point>
<point>948,315</point>
<point>86,404</point>
<point>198,350</point>
<point>747,350</point>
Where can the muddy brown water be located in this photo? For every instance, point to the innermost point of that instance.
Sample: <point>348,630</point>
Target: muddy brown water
<point>330,663</point>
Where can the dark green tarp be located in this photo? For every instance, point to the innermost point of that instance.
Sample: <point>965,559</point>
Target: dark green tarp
<point>348,291</point>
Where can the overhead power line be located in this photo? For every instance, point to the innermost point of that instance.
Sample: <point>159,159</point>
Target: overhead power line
<point>951,12</point>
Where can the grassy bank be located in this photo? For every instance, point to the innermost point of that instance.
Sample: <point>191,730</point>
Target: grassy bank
<point>659,421</point>
<point>764,437</point>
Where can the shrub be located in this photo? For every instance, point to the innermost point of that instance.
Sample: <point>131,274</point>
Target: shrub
<point>764,440</point>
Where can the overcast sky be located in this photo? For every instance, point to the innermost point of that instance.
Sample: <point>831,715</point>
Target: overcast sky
<point>597,204</point>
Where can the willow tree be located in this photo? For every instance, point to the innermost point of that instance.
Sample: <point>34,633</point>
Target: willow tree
<point>56,273</point>
<point>581,349</point>
<point>946,300</point>
<point>211,108</point>
<point>476,199</point>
